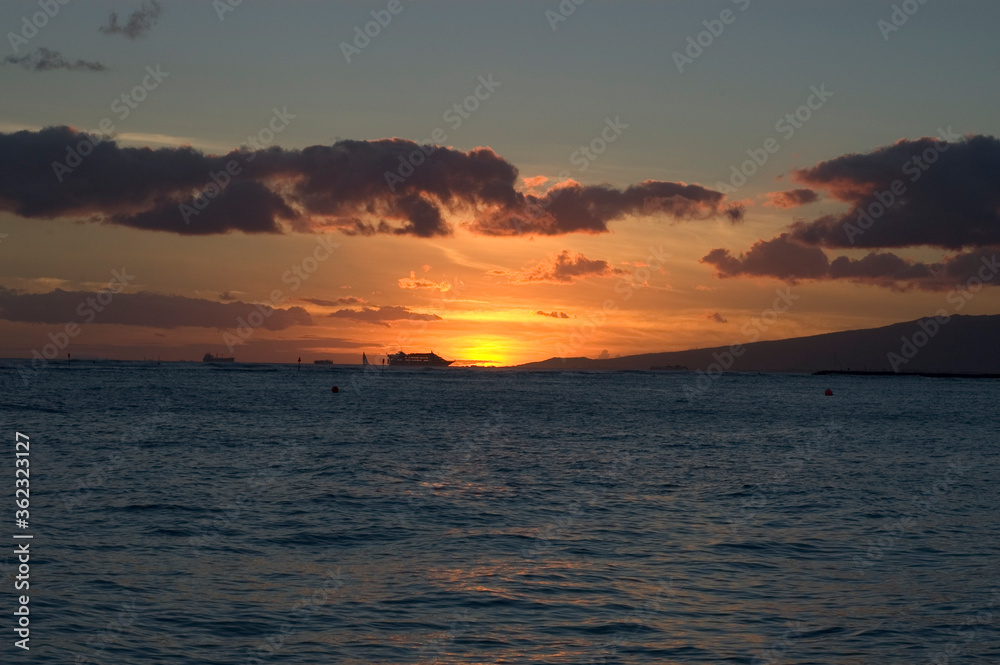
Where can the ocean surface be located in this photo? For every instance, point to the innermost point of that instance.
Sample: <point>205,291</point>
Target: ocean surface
<point>190,513</point>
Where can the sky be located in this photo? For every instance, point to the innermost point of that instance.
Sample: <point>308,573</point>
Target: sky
<point>499,182</point>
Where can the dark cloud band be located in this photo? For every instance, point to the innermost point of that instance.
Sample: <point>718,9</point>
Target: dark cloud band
<point>59,172</point>
<point>141,309</point>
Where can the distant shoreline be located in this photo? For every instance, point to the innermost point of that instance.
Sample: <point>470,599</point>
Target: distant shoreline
<point>932,375</point>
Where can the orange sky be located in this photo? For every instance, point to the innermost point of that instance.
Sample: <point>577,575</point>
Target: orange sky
<point>655,297</point>
<point>532,98</point>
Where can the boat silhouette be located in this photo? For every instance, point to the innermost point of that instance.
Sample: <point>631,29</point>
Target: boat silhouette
<point>209,358</point>
<point>431,359</point>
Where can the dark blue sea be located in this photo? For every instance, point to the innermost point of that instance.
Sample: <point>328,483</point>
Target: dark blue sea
<point>191,513</point>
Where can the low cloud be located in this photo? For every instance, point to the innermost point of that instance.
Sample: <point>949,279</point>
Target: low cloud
<point>246,206</point>
<point>346,300</point>
<point>153,310</point>
<point>139,22</point>
<point>718,318</point>
<point>554,315</point>
<point>47,60</point>
<point>563,268</point>
<point>383,315</point>
<point>787,259</point>
<point>414,282</point>
<point>779,257</point>
<point>936,192</point>
<point>792,198</point>
<point>570,207</point>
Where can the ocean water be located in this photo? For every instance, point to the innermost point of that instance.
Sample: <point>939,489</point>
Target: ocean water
<point>188,513</point>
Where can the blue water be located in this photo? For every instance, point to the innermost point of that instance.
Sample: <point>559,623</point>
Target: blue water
<point>199,514</point>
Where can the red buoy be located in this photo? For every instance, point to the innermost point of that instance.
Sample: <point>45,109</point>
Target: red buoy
<point>829,393</point>
<point>335,389</point>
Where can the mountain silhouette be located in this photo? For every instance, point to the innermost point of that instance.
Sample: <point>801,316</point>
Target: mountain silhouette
<point>959,344</point>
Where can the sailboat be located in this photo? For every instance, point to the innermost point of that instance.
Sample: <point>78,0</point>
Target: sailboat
<point>364,359</point>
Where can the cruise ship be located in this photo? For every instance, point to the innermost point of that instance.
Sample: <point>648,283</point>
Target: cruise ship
<point>209,358</point>
<point>418,360</point>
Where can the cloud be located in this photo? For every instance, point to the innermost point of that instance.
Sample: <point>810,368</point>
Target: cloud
<point>927,192</point>
<point>381,315</point>
<point>140,309</point>
<point>246,206</point>
<point>718,318</point>
<point>414,282</point>
<point>911,193</point>
<point>570,207</point>
<point>138,24</point>
<point>563,268</point>
<point>350,186</point>
<point>227,296</point>
<point>346,300</point>
<point>787,259</point>
<point>47,60</point>
<point>792,198</point>
<point>554,315</point>
<point>779,257</point>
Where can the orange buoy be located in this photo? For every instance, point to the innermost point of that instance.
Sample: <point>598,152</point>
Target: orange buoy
<point>335,389</point>
<point>829,393</point>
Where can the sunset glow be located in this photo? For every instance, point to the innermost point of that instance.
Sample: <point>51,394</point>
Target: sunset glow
<point>461,222</point>
<point>387,332</point>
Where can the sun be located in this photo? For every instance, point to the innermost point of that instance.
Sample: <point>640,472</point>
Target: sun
<point>485,351</point>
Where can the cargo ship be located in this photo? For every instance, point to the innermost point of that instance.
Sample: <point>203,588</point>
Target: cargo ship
<point>209,358</point>
<point>418,360</point>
